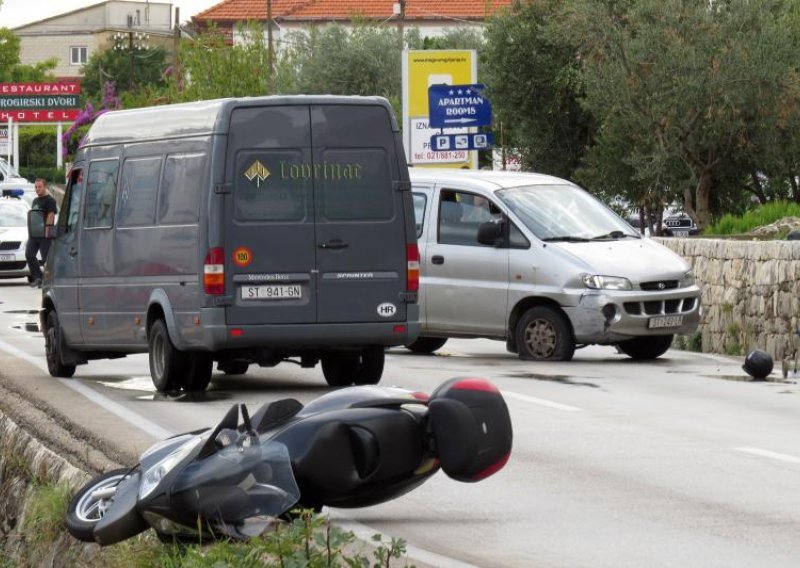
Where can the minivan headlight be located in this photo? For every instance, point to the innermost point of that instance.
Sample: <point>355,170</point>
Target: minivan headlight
<point>687,279</point>
<point>598,282</point>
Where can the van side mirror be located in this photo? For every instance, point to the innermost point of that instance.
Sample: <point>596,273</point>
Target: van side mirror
<point>491,233</point>
<point>36,225</point>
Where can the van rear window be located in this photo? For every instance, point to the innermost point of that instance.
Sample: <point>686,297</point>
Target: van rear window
<point>272,185</point>
<point>355,183</point>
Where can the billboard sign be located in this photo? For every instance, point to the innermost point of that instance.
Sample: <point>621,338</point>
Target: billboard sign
<point>421,70</point>
<point>39,102</point>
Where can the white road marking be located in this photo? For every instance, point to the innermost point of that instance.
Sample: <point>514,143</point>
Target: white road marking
<point>541,401</point>
<point>365,533</point>
<point>104,402</point>
<point>768,454</point>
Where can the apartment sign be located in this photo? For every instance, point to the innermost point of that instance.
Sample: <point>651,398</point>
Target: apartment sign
<point>39,102</point>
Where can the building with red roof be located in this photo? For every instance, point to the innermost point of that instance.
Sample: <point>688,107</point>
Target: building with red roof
<point>431,17</point>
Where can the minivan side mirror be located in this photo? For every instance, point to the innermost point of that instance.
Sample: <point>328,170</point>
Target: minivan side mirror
<point>491,233</point>
<point>36,225</point>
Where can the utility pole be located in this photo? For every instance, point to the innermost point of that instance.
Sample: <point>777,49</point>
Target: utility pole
<point>176,46</point>
<point>269,45</point>
<point>400,10</point>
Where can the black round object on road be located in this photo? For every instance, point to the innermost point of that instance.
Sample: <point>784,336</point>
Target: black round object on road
<point>758,364</point>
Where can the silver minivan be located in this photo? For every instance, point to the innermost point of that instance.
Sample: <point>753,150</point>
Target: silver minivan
<point>540,263</point>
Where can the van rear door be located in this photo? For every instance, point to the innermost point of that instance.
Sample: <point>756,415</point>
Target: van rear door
<point>314,229</point>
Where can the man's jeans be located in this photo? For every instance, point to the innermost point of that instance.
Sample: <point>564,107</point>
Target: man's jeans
<point>34,246</point>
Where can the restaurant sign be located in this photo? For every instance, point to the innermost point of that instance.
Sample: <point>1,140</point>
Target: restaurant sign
<point>39,102</point>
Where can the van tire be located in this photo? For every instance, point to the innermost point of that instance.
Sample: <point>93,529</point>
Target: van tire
<point>168,365</point>
<point>646,348</point>
<point>370,365</point>
<point>543,334</point>
<point>340,367</point>
<point>54,348</point>
<point>199,370</point>
<point>426,344</point>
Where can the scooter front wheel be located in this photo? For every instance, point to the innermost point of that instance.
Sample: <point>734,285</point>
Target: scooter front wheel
<point>89,504</point>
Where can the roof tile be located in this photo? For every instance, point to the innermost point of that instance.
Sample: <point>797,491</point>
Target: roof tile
<point>239,10</point>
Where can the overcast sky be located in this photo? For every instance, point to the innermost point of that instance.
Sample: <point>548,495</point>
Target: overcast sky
<point>15,13</point>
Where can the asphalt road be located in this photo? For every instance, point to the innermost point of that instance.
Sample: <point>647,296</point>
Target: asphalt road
<point>680,461</point>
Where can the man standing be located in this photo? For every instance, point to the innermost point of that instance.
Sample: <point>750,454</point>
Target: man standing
<point>47,204</point>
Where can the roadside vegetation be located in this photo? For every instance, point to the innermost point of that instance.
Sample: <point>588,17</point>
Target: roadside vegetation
<point>762,215</point>
<point>309,541</point>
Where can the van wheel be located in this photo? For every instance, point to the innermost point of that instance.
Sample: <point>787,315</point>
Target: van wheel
<point>340,367</point>
<point>543,333</point>
<point>54,347</point>
<point>646,348</point>
<point>233,367</point>
<point>426,344</point>
<point>168,365</point>
<point>370,365</point>
<point>199,370</point>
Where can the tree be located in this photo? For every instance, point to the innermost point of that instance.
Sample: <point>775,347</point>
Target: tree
<point>12,71</point>
<point>114,65</point>
<point>692,95</point>
<point>533,81</point>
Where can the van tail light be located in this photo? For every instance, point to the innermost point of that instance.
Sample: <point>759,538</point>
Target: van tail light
<point>214,272</point>
<point>412,260</point>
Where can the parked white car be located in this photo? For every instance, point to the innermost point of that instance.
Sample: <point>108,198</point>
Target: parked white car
<point>11,183</point>
<point>538,262</point>
<point>13,237</point>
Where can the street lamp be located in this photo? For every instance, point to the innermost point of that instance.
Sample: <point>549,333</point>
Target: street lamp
<point>137,41</point>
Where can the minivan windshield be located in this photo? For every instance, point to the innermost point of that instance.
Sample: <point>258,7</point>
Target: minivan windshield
<point>565,213</point>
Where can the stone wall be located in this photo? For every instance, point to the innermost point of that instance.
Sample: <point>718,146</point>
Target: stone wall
<point>751,293</point>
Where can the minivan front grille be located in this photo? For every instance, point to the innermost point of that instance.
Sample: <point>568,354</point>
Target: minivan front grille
<point>657,285</point>
<point>9,245</point>
<point>660,307</point>
<point>17,265</point>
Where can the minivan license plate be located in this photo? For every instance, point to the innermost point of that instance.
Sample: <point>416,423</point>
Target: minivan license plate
<point>272,292</point>
<point>4,257</point>
<point>665,321</point>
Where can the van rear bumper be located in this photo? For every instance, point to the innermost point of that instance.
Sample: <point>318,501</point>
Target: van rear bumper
<point>217,335</point>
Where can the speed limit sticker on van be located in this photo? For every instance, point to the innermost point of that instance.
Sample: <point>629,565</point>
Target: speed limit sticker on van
<point>242,256</point>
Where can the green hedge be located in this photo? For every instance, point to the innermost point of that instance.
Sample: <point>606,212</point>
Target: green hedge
<point>50,173</point>
<point>763,215</point>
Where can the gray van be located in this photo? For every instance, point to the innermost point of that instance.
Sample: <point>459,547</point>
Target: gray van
<point>539,263</point>
<point>241,231</point>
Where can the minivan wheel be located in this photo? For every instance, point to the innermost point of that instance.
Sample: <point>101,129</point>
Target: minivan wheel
<point>646,348</point>
<point>426,344</point>
<point>543,333</point>
<point>168,365</point>
<point>54,347</point>
<point>370,365</point>
<point>340,367</point>
<point>199,370</point>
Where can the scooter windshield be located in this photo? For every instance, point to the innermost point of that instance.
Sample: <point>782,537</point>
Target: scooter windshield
<point>238,484</point>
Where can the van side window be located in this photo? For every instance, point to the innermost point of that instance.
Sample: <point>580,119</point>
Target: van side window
<point>420,201</point>
<point>181,181</point>
<point>354,184</point>
<point>100,191</point>
<point>71,207</point>
<point>516,239</point>
<point>138,192</point>
<point>460,215</point>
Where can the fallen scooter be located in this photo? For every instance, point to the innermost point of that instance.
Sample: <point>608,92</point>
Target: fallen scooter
<point>353,447</point>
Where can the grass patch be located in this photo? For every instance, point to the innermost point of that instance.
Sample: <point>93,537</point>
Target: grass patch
<point>692,342</point>
<point>763,215</point>
<point>44,521</point>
